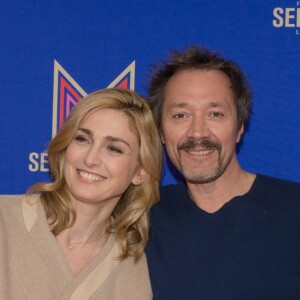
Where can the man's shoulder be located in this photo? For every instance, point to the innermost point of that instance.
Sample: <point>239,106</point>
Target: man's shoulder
<point>176,188</point>
<point>273,184</point>
<point>282,193</point>
<point>171,197</point>
<point>173,192</point>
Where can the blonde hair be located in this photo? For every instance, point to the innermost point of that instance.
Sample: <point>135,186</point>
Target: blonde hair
<point>131,215</point>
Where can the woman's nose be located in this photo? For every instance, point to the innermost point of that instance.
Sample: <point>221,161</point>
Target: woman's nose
<point>92,157</point>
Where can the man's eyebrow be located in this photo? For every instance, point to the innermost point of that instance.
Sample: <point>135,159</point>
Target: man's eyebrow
<point>180,104</point>
<point>183,104</point>
<point>215,104</point>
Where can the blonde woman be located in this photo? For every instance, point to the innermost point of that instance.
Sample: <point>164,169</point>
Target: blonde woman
<point>82,236</point>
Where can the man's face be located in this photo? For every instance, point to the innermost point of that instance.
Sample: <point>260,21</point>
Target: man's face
<point>199,124</point>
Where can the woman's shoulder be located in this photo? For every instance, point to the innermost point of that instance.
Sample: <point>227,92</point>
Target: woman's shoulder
<point>10,201</point>
<point>11,216</point>
<point>16,200</point>
<point>138,267</point>
<point>13,206</point>
<point>137,285</point>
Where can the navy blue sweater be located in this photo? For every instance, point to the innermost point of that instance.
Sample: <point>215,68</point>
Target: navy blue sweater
<point>249,249</point>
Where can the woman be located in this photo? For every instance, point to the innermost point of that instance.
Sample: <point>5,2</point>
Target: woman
<point>82,236</point>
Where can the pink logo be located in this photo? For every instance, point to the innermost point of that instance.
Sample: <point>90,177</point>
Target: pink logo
<point>67,92</point>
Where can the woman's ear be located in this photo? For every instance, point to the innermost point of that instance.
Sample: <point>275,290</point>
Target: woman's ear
<point>140,177</point>
<point>162,137</point>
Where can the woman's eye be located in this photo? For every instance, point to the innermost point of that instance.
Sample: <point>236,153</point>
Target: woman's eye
<point>81,139</point>
<point>114,149</point>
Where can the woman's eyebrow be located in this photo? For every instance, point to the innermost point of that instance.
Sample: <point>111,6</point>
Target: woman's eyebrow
<point>117,139</point>
<point>108,137</point>
<point>85,130</point>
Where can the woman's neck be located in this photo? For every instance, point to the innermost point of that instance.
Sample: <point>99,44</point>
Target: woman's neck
<point>85,239</point>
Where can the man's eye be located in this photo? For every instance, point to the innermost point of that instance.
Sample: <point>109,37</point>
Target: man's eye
<point>179,116</point>
<point>216,114</point>
<point>114,149</point>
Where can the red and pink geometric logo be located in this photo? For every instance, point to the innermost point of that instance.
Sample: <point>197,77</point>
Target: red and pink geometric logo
<point>67,92</point>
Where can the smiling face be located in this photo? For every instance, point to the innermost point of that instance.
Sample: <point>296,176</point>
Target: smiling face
<point>199,124</point>
<point>102,160</point>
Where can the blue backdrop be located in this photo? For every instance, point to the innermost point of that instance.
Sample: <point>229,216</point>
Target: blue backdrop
<point>53,52</point>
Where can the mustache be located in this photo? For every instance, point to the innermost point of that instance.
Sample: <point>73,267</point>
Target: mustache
<point>190,144</point>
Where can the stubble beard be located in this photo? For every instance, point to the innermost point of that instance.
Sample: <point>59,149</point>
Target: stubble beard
<point>196,174</point>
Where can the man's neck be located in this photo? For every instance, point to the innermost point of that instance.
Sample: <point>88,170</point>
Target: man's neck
<point>211,196</point>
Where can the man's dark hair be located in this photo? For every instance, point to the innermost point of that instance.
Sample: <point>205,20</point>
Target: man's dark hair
<point>199,58</point>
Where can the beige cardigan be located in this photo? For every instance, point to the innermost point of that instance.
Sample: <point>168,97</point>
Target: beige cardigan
<point>32,265</point>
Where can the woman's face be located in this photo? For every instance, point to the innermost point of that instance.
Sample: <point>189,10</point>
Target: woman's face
<point>102,159</point>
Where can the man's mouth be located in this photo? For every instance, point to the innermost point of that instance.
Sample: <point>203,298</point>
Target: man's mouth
<point>193,151</point>
<point>202,147</point>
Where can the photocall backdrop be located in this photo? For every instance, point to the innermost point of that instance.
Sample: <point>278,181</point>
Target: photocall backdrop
<point>54,52</point>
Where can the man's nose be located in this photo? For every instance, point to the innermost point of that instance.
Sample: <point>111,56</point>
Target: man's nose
<point>198,128</point>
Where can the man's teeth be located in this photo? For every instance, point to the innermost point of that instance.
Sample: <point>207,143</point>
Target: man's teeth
<point>200,152</point>
<point>89,176</point>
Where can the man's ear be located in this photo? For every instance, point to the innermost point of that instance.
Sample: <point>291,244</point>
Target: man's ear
<point>240,133</point>
<point>140,177</point>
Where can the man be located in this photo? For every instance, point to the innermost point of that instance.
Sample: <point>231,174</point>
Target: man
<point>224,233</point>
